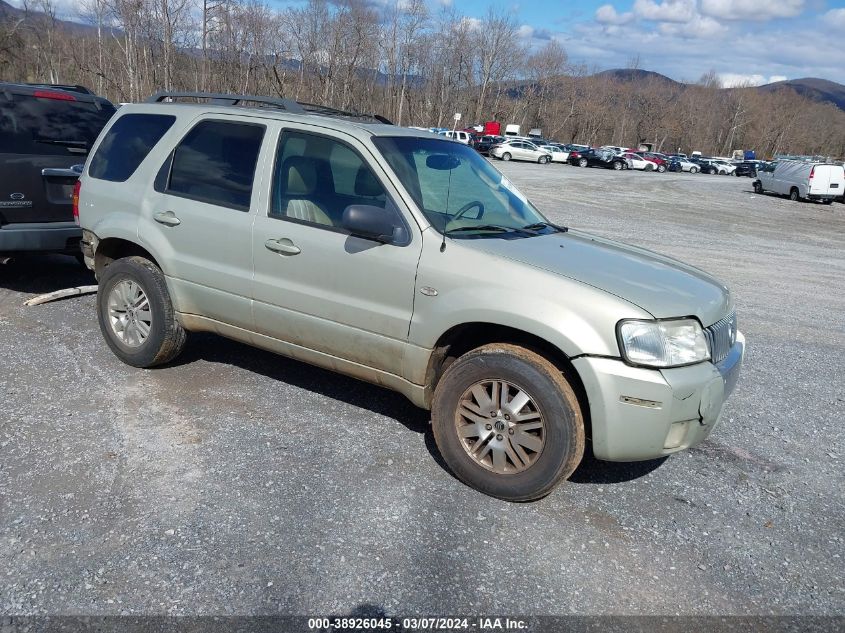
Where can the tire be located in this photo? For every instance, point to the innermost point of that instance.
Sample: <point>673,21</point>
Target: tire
<point>556,445</point>
<point>618,166</point>
<point>712,171</point>
<point>543,160</point>
<point>506,156</point>
<point>793,194</point>
<point>165,337</point>
<point>758,188</point>
<point>661,169</point>
<point>693,170</point>
<point>582,162</point>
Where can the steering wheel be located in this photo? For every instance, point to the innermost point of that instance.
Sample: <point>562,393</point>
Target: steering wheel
<point>469,205</point>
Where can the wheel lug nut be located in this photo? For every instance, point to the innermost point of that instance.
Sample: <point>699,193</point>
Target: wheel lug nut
<point>510,431</point>
<point>499,437</point>
<point>507,417</point>
<point>489,427</point>
<point>492,414</point>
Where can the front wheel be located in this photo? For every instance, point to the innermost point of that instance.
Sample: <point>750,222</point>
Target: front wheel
<point>506,156</point>
<point>693,170</point>
<point>136,314</point>
<point>661,169</point>
<point>543,160</point>
<point>507,422</point>
<point>617,166</point>
<point>758,188</point>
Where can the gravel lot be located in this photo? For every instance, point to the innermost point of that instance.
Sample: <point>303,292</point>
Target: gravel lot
<point>236,481</point>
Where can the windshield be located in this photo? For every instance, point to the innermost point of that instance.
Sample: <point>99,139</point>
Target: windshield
<point>459,191</point>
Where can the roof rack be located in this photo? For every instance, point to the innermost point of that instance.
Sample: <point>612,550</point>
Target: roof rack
<point>289,105</point>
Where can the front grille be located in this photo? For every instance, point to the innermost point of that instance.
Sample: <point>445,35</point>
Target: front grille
<point>721,337</point>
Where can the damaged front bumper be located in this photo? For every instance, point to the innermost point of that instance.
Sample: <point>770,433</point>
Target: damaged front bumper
<point>640,414</point>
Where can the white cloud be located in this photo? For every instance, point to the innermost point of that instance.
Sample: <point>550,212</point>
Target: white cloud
<point>525,31</point>
<point>667,11</point>
<point>732,80</point>
<point>699,27</point>
<point>760,10</point>
<point>607,14</point>
<point>835,18</point>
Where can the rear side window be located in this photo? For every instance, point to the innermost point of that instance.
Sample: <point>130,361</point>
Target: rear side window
<point>126,144</point>
<point>215,163</point>
<point>59,127</point>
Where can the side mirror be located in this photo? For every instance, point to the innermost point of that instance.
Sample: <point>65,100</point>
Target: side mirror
<point>370,222</point>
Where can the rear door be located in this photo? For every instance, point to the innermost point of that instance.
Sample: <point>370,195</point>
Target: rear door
<point>200,214</point>
<point>42,137</point>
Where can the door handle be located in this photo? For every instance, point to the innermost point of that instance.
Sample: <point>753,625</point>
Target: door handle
<point>168,218</point>
<point>282,246</point>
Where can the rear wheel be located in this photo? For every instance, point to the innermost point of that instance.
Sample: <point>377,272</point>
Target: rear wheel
<point>507,422</point>
<point>506,156</point>
<point>793,194</point>
<point>136,314</point>
<point>582,162</point>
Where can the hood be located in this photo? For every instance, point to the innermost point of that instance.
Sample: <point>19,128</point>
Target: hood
<point>660,285</point>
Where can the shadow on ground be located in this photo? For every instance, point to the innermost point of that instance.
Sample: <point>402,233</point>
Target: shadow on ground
<point>39,274</point>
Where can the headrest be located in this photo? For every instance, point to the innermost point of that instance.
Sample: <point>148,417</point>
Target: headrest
<point>366,184</point>
<point>299,176</point>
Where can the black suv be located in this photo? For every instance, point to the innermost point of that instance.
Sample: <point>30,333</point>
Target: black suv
<point>46,131</point>
<point>746,168</point>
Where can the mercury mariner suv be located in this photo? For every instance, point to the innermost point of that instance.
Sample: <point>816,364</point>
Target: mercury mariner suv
<point>406,260</point>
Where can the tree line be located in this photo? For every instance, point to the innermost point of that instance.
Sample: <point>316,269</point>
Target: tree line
<point>404,61</point>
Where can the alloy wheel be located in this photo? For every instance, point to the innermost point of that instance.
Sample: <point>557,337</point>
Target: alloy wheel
<point>129,313</point>
<point>500,427</point>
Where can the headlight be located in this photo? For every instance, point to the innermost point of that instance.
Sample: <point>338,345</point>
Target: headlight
<point>663,343</point>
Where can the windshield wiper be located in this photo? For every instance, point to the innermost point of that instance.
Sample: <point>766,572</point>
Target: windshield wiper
<point>542,225</point>
<point>68,143</point>
<point>479,227</point>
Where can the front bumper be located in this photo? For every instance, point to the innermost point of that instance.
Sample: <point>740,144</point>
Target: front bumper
<point>640,414</point>
<point>56,237</point>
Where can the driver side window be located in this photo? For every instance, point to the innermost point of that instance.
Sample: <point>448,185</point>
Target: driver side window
<point>316,177</point>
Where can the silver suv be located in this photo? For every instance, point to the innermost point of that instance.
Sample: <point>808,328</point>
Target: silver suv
<point>406,260</point>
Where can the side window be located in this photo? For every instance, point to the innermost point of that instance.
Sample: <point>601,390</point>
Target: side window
<point>315,178</point>
<point>215,163</point>
<point>127,144</point>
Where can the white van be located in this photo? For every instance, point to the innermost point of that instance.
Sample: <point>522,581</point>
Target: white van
<point>801,181</point>
<point>457,135</point>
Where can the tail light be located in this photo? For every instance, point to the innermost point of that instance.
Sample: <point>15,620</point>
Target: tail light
<point>50,94</point>
<point>75,199</point>
<point>812,172</point>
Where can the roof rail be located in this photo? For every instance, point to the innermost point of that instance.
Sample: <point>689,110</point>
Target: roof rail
<point>226,99</point>
<point>289,105</point>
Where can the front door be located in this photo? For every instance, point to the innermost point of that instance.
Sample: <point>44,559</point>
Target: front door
<point>315,285</point>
